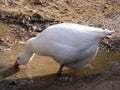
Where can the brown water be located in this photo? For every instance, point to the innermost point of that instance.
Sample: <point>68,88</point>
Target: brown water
<point>41,66</point>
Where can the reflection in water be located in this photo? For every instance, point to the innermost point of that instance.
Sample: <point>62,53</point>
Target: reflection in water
<point>103,61</point>
<point>41,66</point>
<point>7,72</point>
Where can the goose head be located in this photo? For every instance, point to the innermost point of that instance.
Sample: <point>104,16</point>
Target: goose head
<point>23,58</point>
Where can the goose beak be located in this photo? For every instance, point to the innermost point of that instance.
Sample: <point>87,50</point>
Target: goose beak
<point>16,65</point>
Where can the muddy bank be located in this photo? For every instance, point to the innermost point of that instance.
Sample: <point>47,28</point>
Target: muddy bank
<point>27,26</point>
<point>107,80</point>
<point>13,80</point>
<point>24,19</point>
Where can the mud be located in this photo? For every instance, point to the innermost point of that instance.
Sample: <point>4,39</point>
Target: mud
<point>26,26</point>
<point>21,20</point>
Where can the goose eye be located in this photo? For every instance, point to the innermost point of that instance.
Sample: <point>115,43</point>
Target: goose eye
<point>18,58</point>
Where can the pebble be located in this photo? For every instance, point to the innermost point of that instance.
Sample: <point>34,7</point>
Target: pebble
<point>66,78</point>
<point>34,27</point>
<point>23,82</point>
<point>7,49</point>
<point>12,82</point>
<point>21,42</point>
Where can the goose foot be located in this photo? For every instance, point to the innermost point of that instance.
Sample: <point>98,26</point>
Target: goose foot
<point>59,73</point>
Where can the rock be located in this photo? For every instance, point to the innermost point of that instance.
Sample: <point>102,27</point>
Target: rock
<point>12,82</point>
<point>65,78</point>
<point>7,49</point>
<point>23,82</point>
<point>21,42</point>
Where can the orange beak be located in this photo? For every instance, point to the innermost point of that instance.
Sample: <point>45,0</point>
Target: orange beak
<point>16,65</point>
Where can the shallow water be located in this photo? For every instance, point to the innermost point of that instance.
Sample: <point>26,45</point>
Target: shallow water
<point>41,66</point>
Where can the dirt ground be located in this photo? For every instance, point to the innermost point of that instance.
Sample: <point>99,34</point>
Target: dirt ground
<point>29,17</point>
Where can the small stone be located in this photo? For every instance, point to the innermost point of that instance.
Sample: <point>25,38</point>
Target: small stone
<point>38,30</point>
<point>13,82</point>
<point>34,27</point>
<point>21,42</point>
<point>23,82</point>
<point>2,39</point>
<point>7,49</point>
<point>65,78</point>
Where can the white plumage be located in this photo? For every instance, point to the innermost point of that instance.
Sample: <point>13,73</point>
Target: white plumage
<point>71,45</point>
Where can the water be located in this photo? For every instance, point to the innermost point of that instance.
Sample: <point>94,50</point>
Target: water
<point>41,66</point>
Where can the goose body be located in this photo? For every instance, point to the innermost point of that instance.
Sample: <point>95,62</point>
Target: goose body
<point>71,45</point>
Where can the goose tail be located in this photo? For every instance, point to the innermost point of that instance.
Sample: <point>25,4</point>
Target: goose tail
<point>106,31</point>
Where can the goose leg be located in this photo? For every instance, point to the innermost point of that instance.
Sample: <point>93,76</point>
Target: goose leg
<point>60,70</point>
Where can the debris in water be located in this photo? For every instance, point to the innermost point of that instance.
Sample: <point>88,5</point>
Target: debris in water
<point>5,44</point>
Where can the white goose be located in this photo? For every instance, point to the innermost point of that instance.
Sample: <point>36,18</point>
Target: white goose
<point>69,44</point>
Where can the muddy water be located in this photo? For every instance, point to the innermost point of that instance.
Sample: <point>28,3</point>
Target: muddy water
<point>41,66</point>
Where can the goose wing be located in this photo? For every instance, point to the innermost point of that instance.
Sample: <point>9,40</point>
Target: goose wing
<point>77,36</point>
